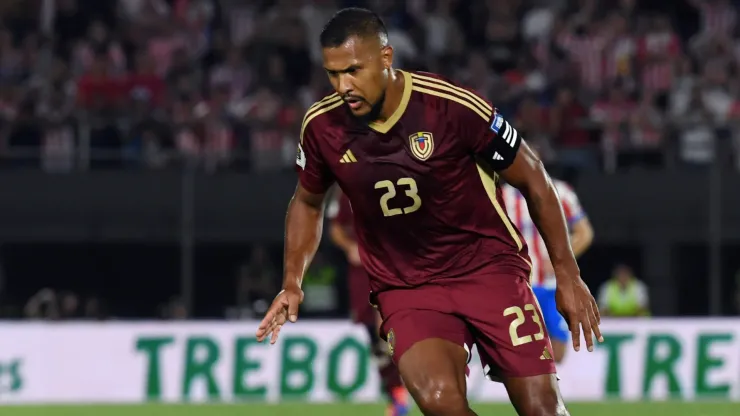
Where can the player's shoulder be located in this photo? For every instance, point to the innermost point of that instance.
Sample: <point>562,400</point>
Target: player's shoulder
<point>444,94</point>
<point>323,115</point>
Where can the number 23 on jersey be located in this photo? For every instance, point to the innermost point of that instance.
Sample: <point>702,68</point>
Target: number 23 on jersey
<point>408,186</point>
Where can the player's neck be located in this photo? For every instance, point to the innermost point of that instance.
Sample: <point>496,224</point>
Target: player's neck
<point>393,95</point>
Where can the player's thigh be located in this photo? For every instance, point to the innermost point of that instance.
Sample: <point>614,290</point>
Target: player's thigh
<point>431,350</point>
<point>556,326</point>
<point>507,325</point>
<point>536,395</point>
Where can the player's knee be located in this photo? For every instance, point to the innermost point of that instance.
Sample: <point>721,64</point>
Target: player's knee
<point>440,399</point>
<point>545,405</point>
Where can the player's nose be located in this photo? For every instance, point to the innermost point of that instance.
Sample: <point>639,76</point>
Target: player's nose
<point>346,87</point>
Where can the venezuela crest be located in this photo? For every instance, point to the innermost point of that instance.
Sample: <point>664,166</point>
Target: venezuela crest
<point>421,144</point>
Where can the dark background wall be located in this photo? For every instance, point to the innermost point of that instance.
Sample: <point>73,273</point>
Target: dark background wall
<point>123,232</point>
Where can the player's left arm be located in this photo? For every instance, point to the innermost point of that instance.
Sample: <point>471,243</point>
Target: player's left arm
<point>498,144</point>
<point>499,147</point>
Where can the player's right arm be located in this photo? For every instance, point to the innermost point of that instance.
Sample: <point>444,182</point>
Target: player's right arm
<point>303,228</point>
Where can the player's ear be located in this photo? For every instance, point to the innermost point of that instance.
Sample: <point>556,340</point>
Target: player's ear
<point>386,54</point>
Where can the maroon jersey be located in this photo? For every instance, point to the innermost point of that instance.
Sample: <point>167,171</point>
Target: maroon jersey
<point>424,208</point>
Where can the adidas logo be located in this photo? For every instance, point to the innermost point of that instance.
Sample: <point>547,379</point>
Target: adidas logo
<point>510,134</point>
<point>497,156</point>
<point>545,355</point>
<point>348,157</point>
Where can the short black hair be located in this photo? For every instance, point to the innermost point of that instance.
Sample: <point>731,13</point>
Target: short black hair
<point>352,21</point>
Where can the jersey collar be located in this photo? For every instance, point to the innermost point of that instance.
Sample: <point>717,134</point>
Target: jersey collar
<point>386,126</point>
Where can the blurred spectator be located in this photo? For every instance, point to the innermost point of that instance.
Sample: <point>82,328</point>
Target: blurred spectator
<point>623,295</point>
<point>657,53</point>
<point>69,306</point>
<point>569,133</point>
<point>42,305</point>
<point>94,309</point>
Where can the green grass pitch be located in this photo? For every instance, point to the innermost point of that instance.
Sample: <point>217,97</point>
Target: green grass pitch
<point>576,409</point>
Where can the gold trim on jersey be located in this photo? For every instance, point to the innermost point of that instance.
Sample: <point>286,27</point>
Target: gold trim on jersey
<point>386,126</point>
<point>455,99</point>
<point>531,269</point>
<point>481,107</point>
<point>326,104</point>
<point>489,183</point>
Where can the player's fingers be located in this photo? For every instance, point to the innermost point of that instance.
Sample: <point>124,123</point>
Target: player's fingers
<point>275,334</point>
<point>588,335</point>
<point>595,307</point>
<point>595,322</point>
<point>575,329</point>
<point>265,331</point>
<point>293,302</point>
<point>266,323</point>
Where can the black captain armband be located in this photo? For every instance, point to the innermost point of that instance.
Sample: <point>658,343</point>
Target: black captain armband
<point>501,149</point>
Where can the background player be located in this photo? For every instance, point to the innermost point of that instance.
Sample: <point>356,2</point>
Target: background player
<point>543,276</point>
<point>419,159</point>
<point>341,231</point>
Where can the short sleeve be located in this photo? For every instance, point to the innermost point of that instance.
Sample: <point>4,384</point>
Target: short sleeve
<point>487,134</point>
<point>571,205</point>
<point>313,173</point>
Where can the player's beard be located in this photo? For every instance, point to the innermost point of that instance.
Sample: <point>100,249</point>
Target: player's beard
<point>374,112</point>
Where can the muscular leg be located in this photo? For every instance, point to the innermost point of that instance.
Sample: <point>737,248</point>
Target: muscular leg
<point>434,372</point>
<point>536,395</point>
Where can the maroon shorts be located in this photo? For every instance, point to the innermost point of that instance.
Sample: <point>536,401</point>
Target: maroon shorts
<point>359,292</point>
<point>496,311</point>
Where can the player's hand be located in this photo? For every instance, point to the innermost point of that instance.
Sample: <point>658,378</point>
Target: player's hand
<point>284,308</point>
<point>353,255</point>
<point>579,308</point>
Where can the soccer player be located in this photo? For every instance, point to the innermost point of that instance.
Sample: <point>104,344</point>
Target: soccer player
<point>341,231</point>
<point>419,159</point>
<point>543,276</point>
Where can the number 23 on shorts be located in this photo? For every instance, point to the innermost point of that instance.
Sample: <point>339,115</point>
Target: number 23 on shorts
<point>519,320</point>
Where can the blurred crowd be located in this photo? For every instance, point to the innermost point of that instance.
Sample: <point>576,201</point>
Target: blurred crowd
<point>596,84</point>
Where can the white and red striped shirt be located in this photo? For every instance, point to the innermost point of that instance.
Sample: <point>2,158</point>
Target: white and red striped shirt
<point>717,19</point>
<point>516,206</point>
<point>657,74</point>
<point>588,53</point>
